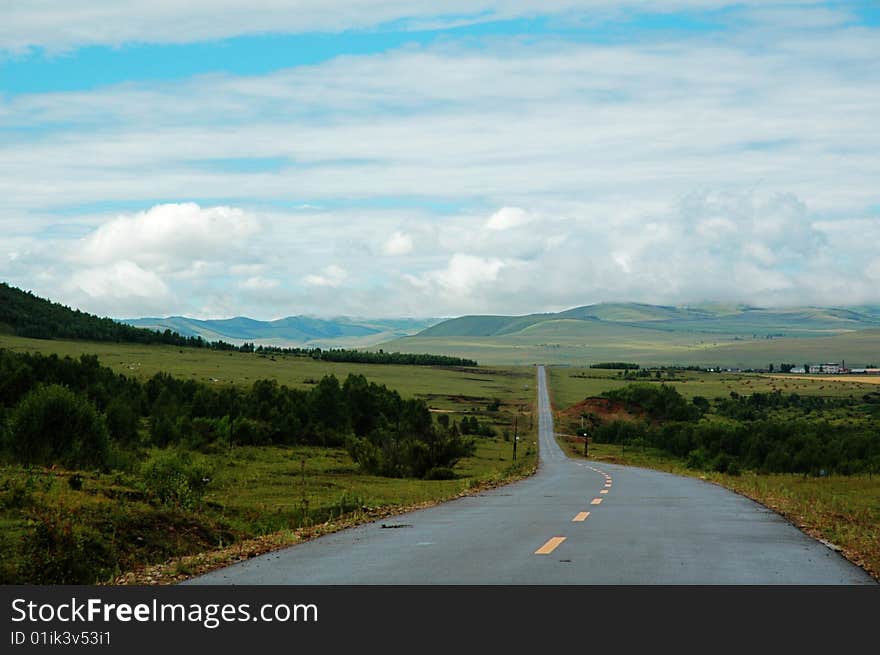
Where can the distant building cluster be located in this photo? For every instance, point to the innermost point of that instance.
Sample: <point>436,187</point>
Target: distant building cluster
<point>833,368</point>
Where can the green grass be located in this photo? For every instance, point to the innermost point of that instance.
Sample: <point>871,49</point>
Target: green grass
<point>580,343</point>
<point>259,497</point>
<point>570,385</point>
<point>255,491</point>
<point>443,386</point>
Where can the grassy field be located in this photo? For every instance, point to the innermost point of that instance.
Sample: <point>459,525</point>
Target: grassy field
<point>571,385</point>
<point>444,388</point>
<point>266,497</point>
<point>559,344</point>
<point>259,497</point>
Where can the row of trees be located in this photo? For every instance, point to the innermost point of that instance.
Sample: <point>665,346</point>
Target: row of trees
<point>72,411</point>
<point>366,357</point>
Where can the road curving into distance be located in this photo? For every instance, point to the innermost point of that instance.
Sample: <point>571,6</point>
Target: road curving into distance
<point>573,522</point>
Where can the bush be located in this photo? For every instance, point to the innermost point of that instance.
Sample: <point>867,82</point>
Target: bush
<point>440,473</point>
<point>174,479</point>
<point>662,402</point>
<point>122,422</point>
<point>17,491</point>
<point>734,468</point>
<point>52,425</point>
<point>58,550</point>
<point>248,432</point>
<point>698,459</point>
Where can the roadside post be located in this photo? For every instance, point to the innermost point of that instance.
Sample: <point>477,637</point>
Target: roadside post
<point>515,435</point>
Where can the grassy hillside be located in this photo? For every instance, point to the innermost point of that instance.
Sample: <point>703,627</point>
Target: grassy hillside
<point>25,314</point>
<point>704,335</point>
<point>709,319</point>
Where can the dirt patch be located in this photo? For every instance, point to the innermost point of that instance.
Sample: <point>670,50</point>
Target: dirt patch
<point>605,409</point>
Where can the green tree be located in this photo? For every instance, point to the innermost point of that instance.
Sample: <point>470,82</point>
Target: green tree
<point>52,425</point>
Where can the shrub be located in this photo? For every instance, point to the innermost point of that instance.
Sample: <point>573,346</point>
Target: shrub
<point>17,491</point>
<point>122,422</point>
<point>698,459</point>
<point>440,473</point>
<point>58,550</point>
<point>174,479</point>
<point>52,425</point>
<point>248,432</point>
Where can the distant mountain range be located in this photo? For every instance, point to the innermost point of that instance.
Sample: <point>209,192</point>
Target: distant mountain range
<point>735,320</point>
<point>705,334</point>
<point>293,331</point>
<point>702,335</point>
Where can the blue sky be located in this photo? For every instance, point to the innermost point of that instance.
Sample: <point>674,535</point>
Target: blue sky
<point>408,158</point>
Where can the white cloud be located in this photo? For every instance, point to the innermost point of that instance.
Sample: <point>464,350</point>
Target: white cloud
<point>508,217</point>
<point>332,276</point>
<point>119,288</point>
<point>259,284</point>
<point>169,237</point>
<point>59,25</point>
<point>398,244</point>
<point>462,275</point>
<point>506,125</point>
<point>735,166</point>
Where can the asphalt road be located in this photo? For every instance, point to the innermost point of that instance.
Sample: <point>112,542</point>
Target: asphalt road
<point>574,522</point>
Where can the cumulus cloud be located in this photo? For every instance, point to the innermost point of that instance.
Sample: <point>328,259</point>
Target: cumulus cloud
<point>169,237</point>
<point>159,260</point>
<point>332,276</point>
<point>508,217</point>
<point>462,277</point>
<point>398,244</point>
<point>122,288</point>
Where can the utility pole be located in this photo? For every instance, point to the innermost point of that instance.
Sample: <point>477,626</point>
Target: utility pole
<point>515,435</point>
<point>305,498</point>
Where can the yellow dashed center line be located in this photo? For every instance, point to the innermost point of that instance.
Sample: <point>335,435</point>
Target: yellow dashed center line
<point>581,516</point>
<point>595,501</point>
<point>550,546</point>
<point>604,491</point>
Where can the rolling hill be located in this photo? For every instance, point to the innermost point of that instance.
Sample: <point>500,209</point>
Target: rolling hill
<point>706,335</point>
<point>741,320</point>
<point>26,315</point>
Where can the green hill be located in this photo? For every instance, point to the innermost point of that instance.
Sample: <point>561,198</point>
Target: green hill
<point>706,334</point>
<point>24,314</point>
<point>712,319</point>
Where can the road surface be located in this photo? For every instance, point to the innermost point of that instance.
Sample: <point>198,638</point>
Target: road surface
<point>574,522</point>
